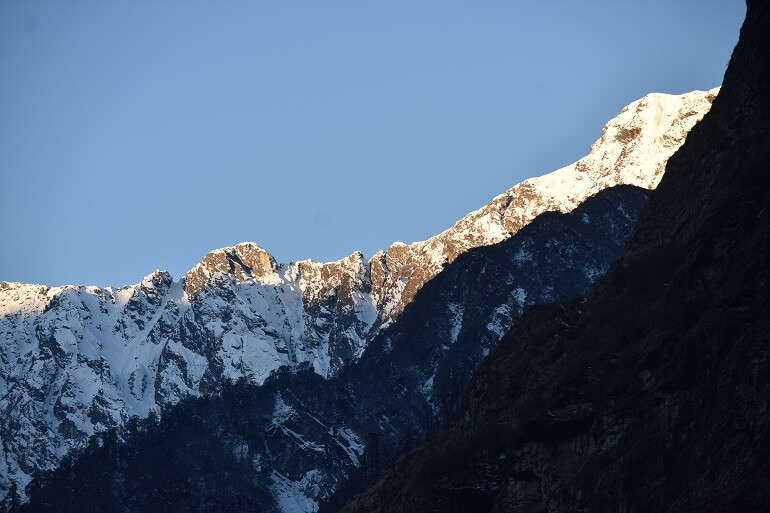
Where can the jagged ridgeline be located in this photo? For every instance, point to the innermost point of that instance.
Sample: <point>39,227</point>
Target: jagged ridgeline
<point>654,393</point>
<point>290,444</point>
<point>78,361</point>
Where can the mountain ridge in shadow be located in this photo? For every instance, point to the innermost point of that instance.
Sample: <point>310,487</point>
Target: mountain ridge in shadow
<point>301,437</point>
<point>654,393</point>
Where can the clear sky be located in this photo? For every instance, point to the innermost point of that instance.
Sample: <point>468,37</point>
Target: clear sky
<point>140,135</point>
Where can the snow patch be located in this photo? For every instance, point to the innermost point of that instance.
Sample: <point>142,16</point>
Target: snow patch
<point>455,321</point>
<point>296,496</point>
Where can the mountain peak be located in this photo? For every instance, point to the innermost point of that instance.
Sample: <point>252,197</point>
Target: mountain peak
<point>157,278</point>
<point>632,150</point>
<point>244,261</point>
<point>322,314</point>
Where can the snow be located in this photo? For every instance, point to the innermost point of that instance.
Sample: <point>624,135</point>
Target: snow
<point>520,296</point>
<point>522,256</point>
<point>282,412</point>
<point>427,390</point>
<point>131,350</point>
<point>290,496</point>
<point>662,121</point>
<point>301,442</point>
<point>352,445</point>
<point>500,320</point>
<point>593,273</point>
<point>455,321</point>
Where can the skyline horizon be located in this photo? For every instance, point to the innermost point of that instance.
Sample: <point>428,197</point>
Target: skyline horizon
<point>178,277</point>
<point>139,137</point>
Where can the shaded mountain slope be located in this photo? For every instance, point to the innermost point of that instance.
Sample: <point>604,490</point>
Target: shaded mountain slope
<point>295,441</point>
<point>653,394</point>
<point>79,360</point>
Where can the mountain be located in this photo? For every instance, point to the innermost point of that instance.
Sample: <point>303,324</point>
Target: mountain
<point>76,361</point>
<point>298,440</point>
<point>654,393</point>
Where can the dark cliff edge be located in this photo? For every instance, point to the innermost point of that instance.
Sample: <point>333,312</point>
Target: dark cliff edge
<point>654,393</point>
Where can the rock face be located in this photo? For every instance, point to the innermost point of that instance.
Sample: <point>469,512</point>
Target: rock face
<point>245,261</point>
<point>77,360</point>
<point>654,393</point>
<point>296,441</point>
<point>633,150</point>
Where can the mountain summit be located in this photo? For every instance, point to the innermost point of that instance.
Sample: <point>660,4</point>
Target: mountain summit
<point>654,393</point>
<point>77,360</point>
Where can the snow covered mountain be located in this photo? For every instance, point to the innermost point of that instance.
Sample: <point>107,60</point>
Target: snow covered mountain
<point>299,441</point>
<point>78,360</point>
<point>653,393</point>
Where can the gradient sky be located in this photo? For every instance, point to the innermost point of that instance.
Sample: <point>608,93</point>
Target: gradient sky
<point>140,135</point>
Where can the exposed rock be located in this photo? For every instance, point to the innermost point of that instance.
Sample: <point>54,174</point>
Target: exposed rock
<point>130,351</point>
<point>299,439</point>
<point>654,393</point>
<point>243,261</point>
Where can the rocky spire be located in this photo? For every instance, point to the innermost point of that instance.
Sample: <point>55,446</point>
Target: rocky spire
<point>243,261</point>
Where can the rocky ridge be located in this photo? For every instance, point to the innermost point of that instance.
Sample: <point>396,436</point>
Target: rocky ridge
<point>298,441</point>
<point>79,360</point>
<point>653,393</point>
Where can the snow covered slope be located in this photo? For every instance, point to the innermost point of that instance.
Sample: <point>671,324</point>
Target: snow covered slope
<point>299,441</point>
<point>633,150</point>
<point>78,360</point>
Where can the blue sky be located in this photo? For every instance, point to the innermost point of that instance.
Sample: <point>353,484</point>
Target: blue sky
<point>140,135</point>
